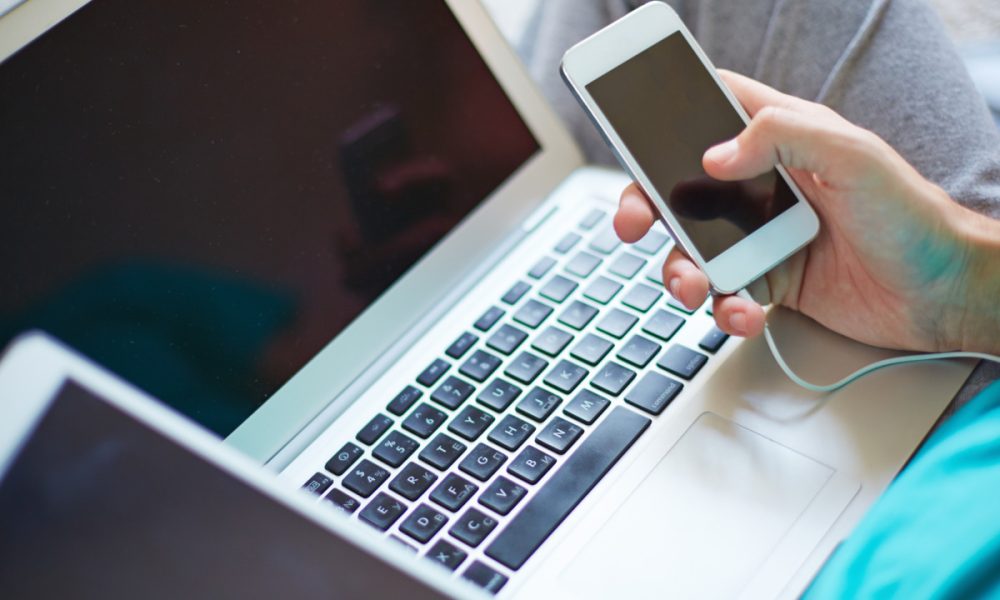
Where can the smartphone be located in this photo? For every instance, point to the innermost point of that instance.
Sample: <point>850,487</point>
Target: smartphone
<point>657,100</point>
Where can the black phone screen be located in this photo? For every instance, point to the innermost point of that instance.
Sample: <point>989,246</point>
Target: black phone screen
<point>668,110</point>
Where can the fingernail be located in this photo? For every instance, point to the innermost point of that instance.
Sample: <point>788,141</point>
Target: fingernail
<point>675,287</point>
<point>738,321</point>
<point>722,153</point>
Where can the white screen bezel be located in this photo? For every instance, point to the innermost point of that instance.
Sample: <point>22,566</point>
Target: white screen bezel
<point>614,45</point>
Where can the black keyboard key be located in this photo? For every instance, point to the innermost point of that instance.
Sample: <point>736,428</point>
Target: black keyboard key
<point>395,449</point>
<point>340,462</point>
<point>567,243</point>
<point>613,378</point>
<point>538,404</point>
<point>543,266</point>
<point>453,492</point>
<point>516,292</point>
<point>639,351</point>
<point>423,523</point>
<point>652,242</point>
<point>433,372</point>
<point>583,264</point>
<point>617,323</point>
<point>502,495</point>
<point>485,577</point>
<point>605,241</point>
<point>713,340</point>
<point>558,288</point>
<point>365,478</point>
<point>471,423</point>
<point>586,406</point>
<point>578,314</point>
<point>566,376</point>
<point>663,324</point>
<point>682,361</point>
<point>488,318</point>
<point>653,393</point>
<point>511,432</point>
<point>382,511</point>
<point>480,365</point>
<point>526,367</point>
<point>506,339</point>
<point>552,341</point>
<point>532,313</point>
<point>593,218</point>
<point>452,393</point>
<point>641,297</point>
<point>424,420</point>
<point>627,265</point>
<point>374,429</point>
<point>473,527</point>
<point>559,435</point>
<point>583,469</point>
<point>591,349</point>
<point>531,464</point>
<point>404,400</point>
<point>498,394</point>
<point>442,451</point>
<point>342,501</point>
<point>447,554</point>
<point>459,347</point>
<point>317,484</point>
<point>602,290</point>
<point>655,274</point>
<point>413,481</point>
<point>482,462</point>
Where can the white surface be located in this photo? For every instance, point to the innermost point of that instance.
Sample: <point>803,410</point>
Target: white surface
<point>614,45</point>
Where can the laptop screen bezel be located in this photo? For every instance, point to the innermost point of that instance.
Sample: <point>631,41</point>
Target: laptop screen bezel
<point>33,370</point>
<point>400,309</point>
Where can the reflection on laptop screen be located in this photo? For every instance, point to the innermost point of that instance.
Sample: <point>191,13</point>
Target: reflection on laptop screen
<point>200,195</point>
<point>98,505</point>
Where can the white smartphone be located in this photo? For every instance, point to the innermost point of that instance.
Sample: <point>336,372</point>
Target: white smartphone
<point>658,102</point>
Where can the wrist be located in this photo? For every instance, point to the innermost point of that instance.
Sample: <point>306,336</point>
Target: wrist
<point>977,301</point>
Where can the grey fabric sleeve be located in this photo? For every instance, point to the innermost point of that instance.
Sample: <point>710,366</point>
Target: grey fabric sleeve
<point>886,65</point>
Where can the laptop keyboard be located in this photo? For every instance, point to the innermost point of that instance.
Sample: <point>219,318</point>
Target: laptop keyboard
<point>530,398</point>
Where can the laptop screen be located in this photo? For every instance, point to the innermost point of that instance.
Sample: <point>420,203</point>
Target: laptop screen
<point>98,505</point>
<point>200,195</point>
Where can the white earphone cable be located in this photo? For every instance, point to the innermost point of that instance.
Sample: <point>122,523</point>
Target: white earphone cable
<point>875,366</point>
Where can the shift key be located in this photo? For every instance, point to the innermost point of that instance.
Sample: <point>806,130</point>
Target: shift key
<point>568,486</point>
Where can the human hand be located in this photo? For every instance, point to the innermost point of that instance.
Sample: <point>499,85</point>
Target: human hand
<point>896,260</point>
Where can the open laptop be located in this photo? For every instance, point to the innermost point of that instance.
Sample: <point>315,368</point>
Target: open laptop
<point>352,238</point>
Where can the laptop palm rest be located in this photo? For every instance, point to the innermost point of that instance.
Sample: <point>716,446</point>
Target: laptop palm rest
<point>709,517</point>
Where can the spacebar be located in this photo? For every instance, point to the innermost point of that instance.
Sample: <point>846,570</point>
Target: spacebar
<point>581,472</point>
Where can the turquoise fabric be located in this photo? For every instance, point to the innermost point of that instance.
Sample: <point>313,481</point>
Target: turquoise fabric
<point>935,533</point>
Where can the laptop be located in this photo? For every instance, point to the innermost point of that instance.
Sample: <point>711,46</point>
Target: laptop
<point>353,240</point>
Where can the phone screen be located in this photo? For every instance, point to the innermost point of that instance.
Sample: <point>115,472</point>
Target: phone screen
<point>668,110</point>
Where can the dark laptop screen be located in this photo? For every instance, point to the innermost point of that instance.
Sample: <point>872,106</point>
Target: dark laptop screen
<point>201,194</point>
<point>97,505</point>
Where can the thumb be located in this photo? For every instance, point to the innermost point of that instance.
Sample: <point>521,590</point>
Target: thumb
<point>818,141</point>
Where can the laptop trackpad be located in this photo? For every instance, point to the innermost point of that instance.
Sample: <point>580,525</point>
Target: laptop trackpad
<point>704,520</point>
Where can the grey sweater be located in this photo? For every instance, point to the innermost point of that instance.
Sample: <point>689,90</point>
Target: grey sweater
<point>886,65</point>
